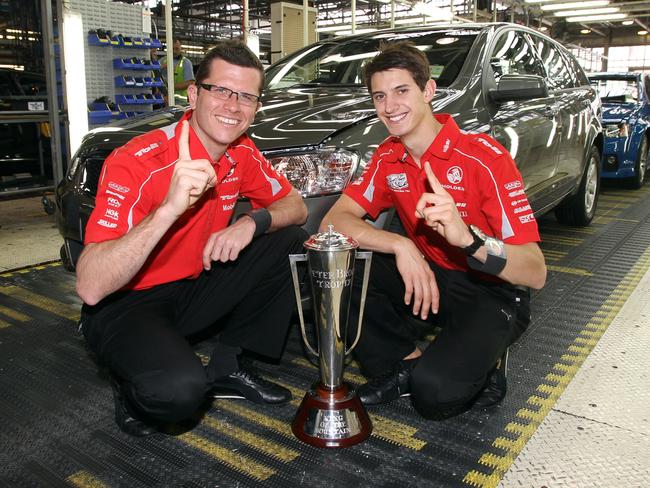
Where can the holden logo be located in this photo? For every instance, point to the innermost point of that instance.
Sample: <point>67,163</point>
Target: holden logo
<point>454,175</point>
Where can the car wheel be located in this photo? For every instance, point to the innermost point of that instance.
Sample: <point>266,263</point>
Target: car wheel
<point>65,259</point>
<point>641,165</point>
<point>579,209</point>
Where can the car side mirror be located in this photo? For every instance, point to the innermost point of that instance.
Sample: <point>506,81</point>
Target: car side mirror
<point>519,87</point>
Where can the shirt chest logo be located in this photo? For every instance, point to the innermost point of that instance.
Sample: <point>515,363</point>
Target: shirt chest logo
<point>455,175</point>
<point>398,182</point>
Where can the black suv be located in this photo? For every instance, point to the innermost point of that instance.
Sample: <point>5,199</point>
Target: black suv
<point>318,125</point>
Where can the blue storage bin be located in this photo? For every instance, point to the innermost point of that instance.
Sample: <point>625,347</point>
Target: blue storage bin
<point>99,113</point>
<point>125,81</point>
<point>95,40</point>
<point>156,43</point>
<point>126,99</point>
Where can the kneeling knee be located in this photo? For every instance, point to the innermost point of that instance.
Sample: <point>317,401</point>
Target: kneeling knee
<point>437,398</point>
<point>169,397</point>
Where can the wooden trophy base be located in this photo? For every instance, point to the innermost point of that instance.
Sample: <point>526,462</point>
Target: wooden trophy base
<point>331,418</point>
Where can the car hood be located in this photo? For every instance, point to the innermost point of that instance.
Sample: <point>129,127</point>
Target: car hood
<point>300,117</point>
<point>289,119</point>
<point>618,111</point>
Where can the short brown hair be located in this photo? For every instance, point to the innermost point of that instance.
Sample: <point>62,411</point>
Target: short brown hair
<point>232,51</point>
<point>399,55</point>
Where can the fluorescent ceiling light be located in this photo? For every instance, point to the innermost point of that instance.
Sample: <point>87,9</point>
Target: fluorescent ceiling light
<point>585,31</point>
<point>643,32</point>
<point>588,11</point>
<point>568,5</point>
<point>543,28</point>
<point>596,18</point>
<point>627,22</point>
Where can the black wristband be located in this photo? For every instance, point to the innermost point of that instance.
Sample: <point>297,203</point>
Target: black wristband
<point>493,264</point>
<point>262,219</point>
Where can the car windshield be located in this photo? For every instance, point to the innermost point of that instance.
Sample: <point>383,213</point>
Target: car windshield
<point>616,90</point>
<point>339,63</point>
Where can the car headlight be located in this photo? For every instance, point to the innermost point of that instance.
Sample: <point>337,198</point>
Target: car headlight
<point>617,130</point>
<point>317,173</point>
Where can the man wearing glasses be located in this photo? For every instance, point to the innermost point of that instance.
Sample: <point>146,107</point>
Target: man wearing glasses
<point>163,264</point>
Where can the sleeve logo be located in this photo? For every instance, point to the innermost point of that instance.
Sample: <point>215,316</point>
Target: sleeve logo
<point>398,182</point>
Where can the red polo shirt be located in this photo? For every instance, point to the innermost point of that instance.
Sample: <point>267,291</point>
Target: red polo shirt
<point>135,179</point>
<point>478,173</point>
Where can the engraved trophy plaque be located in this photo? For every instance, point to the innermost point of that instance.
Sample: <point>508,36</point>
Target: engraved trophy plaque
<point>331,414</point>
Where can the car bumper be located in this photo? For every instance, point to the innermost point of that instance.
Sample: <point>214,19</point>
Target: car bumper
<point>617,160</point>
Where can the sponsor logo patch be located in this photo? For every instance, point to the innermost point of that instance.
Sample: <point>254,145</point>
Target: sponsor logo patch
<point>109,192</point>
<point>229,197</point>
<point>517,202</point>
<point>455,175</point>
<point>107,224</point>
<point>145,150</point>
<point>112,214</point>
<point>488,145</point>
<point>454,187</point>
<point>398,182</point>
<point>524,219</point>
<point>522,209</point>
<point>230,180</point>
<point>515,193</point>
<point>117,187</point>
<point>512,185</point>
<point>114,202</point>
<point>445,148</point>
<point>228,207</point>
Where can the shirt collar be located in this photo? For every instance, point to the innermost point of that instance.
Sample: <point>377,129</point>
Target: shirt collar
<point>444,143</point>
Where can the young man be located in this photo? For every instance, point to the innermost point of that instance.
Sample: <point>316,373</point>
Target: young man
<point>183,74</point>
<point>163,263</point>
<point>470,238</point>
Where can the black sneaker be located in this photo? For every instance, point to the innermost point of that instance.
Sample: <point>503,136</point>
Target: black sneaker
<point>245,384</point>
<point>496,385</point>
<point>124,419</point>
<point>390,386</point>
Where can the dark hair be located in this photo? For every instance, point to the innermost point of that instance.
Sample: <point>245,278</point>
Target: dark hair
<point>232,51</point>
<point>399,55</point>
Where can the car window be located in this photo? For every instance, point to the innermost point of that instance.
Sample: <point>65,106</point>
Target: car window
<point>613,90</point>
<point>513,55</point>
<point>560,76</point>
<point>341,62</point>
<point>577,71</point>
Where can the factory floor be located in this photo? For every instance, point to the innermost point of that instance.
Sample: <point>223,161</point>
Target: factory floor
<point>576,414</point>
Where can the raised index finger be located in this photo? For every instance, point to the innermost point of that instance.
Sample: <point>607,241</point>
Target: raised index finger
<point>433,181</point>
<point>184,142</point>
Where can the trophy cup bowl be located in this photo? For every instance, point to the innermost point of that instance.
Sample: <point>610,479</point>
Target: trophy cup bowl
<point>331,414</point>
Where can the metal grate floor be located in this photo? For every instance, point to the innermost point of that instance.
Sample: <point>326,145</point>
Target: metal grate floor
<point>57,413</point>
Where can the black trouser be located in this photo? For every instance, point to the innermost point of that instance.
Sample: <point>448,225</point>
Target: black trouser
<point>141,336</point>
<point>478,321</point>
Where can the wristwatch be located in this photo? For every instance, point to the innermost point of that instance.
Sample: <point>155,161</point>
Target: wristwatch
<point>479,239</point>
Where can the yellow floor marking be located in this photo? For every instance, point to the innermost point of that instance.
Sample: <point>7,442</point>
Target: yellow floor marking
<point>83,479</point>
<point>48,304</point>
<point>607,220</point>
<point>257,442</point>
<point>565,269</point>
<point>555,383</point>
<point>238,462</point>
<point>9,274</point>
<point>569,241</point>
<point>20,317</point>
<point>235,407</point>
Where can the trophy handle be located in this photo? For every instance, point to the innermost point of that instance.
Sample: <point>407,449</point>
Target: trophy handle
<point>367,256</point>
<point>293,259</point>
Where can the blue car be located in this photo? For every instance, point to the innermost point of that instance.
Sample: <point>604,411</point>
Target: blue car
<point>626,123</point>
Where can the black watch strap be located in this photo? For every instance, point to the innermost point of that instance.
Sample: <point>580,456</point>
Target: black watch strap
<point>473,247</point>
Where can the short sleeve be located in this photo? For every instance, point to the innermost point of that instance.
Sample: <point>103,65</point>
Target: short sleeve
<point>369,190</point>
<point>261,183</point>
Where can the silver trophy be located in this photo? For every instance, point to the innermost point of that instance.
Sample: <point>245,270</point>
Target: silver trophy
<point>331,414</point>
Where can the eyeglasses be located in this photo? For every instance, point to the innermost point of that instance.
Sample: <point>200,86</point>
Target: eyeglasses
<point>223,93</point>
